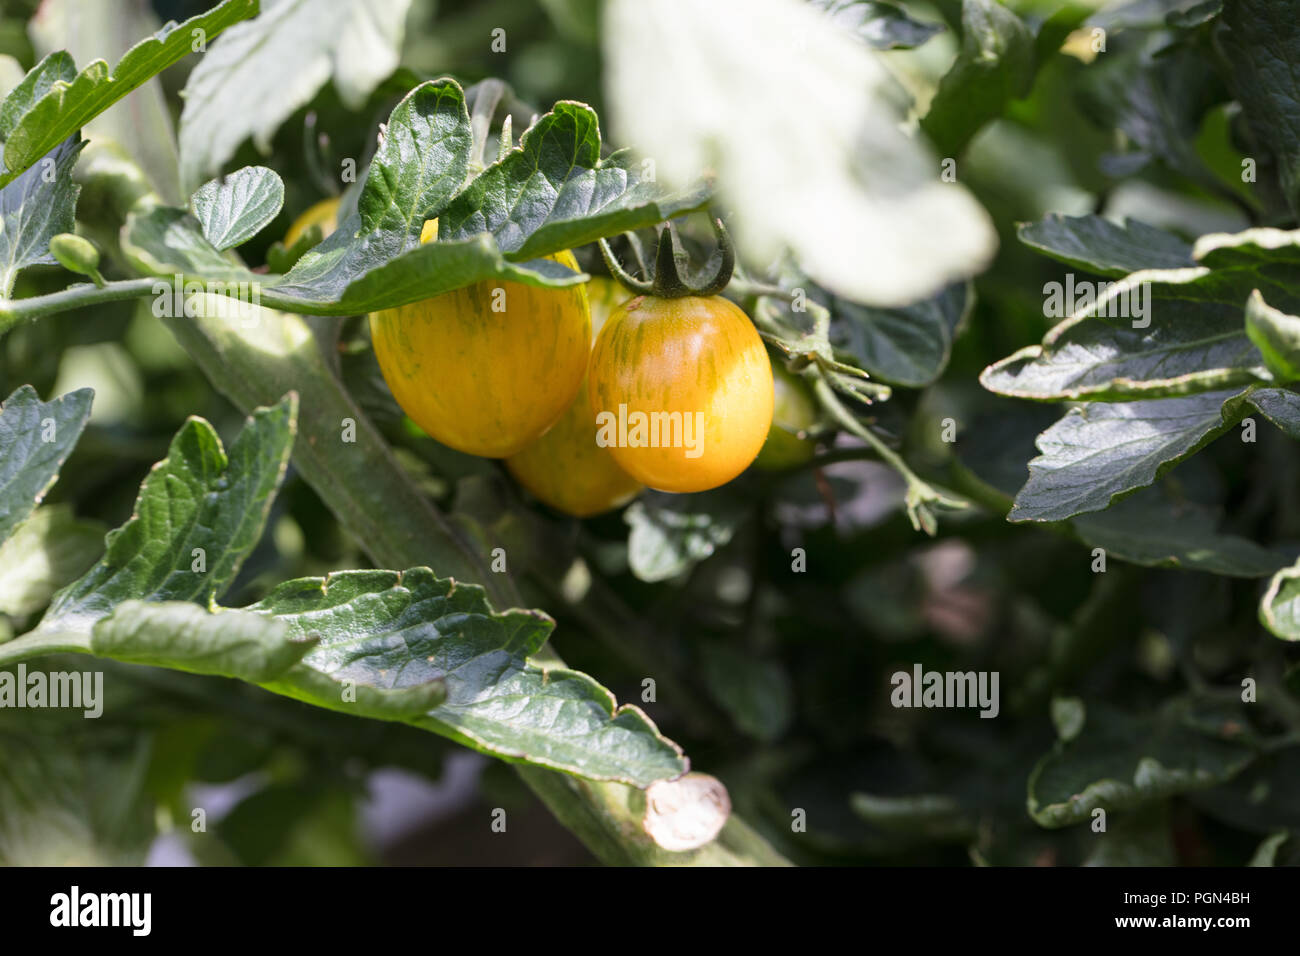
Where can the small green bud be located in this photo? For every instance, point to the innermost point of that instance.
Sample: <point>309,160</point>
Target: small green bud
<point>76,254</point>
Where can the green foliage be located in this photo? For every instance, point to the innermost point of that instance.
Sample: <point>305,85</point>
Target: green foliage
<point>1095,438</point>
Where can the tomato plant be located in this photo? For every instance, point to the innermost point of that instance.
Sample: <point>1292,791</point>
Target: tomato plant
<point>872,442</point>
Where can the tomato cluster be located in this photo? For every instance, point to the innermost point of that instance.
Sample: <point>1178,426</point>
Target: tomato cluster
<point>676,392</point>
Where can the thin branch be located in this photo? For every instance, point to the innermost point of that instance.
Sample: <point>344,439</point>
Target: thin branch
<point>15,311</point>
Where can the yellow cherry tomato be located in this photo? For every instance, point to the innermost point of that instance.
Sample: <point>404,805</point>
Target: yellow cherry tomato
<point>487,368</point>
<point>565,468</point>
<point>794,413</point>
<point>324,214</point>
<point>682,389</point>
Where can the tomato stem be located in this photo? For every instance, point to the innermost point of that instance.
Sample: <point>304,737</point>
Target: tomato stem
<point>670,260</point>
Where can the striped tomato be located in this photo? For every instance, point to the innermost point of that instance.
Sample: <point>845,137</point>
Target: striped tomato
<point>682,390</point>
<point>487,368</point>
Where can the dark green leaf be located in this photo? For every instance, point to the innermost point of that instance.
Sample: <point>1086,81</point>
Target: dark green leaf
<point>70,104</point>
<point>908,346</point>
<point>35,440</point>
<point>553,191</point>
<point>198,515</point>
<point>37,205</point>
<point>1260,40</point>
<point>1121,762</point>
<point>1157,96</point>
<point>1152,530</point>
<point>1100,452</point>
<point>994,66</point>
<point>1190,332</point>
<point>234,209</point>
<point>1103,247</point>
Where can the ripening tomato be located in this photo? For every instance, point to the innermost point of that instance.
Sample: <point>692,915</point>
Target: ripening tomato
<point>565,468</point>
<point>793,415</point>
<point>487,368</point>
<point>324,214</point>
<point>682,389</point>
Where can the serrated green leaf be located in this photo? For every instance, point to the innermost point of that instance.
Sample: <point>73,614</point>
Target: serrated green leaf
<point>883,26</point>
<point>70,104</point>
<point>48,550</point>
<point>168,242</point>
<point>262,71</point>
<point>1121,762</point>
<point>37,205</point>
<point>38,81</point>
<point>421,162</point>
<point>1106,248</point>
<point>908,346</point>
<point>199,513</point>
<point>35,439</point>
<point>198,640</point>
<point>398,630</point>
<point>234,209</point>
<point>1190,335</point>
<point>670,533</point>
<point>554,192</point>
<point>1260,40</point>
<point>1101,451</point>
<point>419,274</point>
<point>994,66</point>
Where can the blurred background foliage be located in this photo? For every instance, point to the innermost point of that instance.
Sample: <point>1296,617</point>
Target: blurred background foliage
<point>776,682</point>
